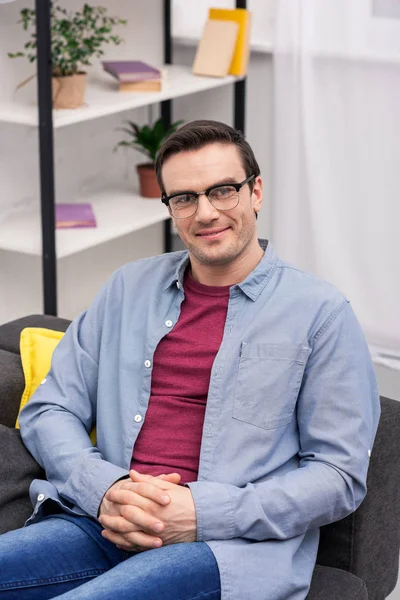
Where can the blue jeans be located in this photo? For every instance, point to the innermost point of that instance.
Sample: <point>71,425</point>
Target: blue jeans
<point>66,557</point>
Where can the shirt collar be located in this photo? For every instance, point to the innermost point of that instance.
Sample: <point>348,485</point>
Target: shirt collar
<point>179,273</point>
<point>254,283</point>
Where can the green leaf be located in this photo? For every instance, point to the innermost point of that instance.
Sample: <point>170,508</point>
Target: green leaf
<point>125,143</point>
<point>75,36</point>
<point>148,138</point>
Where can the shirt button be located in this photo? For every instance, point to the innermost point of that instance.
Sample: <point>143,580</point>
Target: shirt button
<point>40,497</point>
<point>178,285</point>
<point>168,323</point>
<point>43,381</point>
<point>138,418</point>
<point>369,453</point>
<point>147,364</point>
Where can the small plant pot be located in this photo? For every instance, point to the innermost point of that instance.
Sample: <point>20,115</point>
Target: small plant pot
<point>149,187</point>
<point>69,91</point>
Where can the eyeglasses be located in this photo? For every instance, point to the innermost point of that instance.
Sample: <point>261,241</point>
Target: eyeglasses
<point>223,196</point>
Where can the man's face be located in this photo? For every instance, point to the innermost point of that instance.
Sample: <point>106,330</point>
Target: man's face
<point>214,237</point>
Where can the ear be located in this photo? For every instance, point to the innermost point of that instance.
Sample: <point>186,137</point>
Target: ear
<point>257,194</point>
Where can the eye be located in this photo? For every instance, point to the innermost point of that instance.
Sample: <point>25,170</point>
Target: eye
<point>223,191</point>
<point>183,200</point>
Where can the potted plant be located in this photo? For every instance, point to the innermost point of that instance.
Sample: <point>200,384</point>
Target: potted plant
<point>148,140</point>
<point>75,38</point>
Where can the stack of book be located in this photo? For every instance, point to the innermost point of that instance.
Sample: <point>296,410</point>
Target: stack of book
<point>134,75</point>
<point>224,47</point>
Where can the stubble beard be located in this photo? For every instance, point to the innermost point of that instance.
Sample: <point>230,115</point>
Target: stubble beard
<point>214,258</point>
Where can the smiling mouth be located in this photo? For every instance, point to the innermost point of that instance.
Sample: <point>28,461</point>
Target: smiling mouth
<point>212,234</point>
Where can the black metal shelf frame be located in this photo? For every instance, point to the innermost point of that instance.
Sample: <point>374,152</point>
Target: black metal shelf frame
<point>46,140</point>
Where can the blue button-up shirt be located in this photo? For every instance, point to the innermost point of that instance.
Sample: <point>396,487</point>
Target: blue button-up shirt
<point>291,415</point>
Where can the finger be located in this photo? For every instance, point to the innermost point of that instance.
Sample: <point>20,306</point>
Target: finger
<point>119,541</point>
<point>156,481</point>
<point>135,549</point>
<point>171,477</point>
<point>133,493</point>
<point>117,524</point>
<point>140,487</point>
<point>132,519</point>
<point>130,541</point>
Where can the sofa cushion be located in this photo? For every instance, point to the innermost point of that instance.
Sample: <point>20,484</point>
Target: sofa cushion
<point>11,387</point>
<point>10,332</point>
<point>37,347</point>
<point>17,469</point>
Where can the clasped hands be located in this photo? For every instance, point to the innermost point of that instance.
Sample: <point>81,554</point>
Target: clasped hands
<point>145,512</point>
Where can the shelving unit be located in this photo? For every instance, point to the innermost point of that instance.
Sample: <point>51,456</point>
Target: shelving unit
<point>127,212</point>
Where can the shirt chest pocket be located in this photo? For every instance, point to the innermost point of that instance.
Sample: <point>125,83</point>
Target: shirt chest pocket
<point>268,383</point>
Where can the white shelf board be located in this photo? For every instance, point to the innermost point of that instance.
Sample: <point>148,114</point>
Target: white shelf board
<point>103,97</point>
<point>117,212</point>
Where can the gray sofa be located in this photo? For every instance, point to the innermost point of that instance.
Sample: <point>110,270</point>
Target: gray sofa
<point>358,557</point>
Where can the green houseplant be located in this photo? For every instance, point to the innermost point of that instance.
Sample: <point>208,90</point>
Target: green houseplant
<point>147,140</point>
<point>76,37</point>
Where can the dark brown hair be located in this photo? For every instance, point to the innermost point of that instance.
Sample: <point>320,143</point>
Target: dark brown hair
<point>196,135</point>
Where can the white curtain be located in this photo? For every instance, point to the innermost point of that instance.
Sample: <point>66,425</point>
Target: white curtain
<point>336,208</point>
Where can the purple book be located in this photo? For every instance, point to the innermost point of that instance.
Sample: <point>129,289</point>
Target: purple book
<point>74,215</point>
<point>130,70</point>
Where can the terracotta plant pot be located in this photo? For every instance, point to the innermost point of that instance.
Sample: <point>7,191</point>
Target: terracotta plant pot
<point>149,187</point>
<point>69,91</point>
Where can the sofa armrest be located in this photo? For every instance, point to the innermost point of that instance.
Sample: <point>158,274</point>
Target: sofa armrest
<point>334,584</point>
<point>367,543</point>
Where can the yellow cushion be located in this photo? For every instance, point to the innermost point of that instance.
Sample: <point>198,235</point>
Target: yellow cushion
<point>37,346</point>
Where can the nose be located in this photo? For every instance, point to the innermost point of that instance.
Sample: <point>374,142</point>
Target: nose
<point>206,212</point>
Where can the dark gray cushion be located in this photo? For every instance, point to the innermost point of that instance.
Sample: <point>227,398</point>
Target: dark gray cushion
<point>11,375</point>
<point>334,584</point>
<point>11,387</point>
<point>17,469</point>
<point>10,332</point>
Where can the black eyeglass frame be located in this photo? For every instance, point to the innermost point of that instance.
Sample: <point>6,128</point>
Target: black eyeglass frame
<point>238,186</point>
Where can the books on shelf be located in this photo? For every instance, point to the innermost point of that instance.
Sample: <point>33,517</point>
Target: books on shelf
<point>131,70</point>
<point>216,47</point>
<point>241,54</point>
<point>134,75</point>
<point>72,215</point>
<point>148,85</point>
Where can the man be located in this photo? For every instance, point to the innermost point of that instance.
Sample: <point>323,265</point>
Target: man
<point>238,388</point>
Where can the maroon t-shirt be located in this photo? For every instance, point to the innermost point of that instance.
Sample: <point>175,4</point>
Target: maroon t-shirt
<point>170,437</point>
